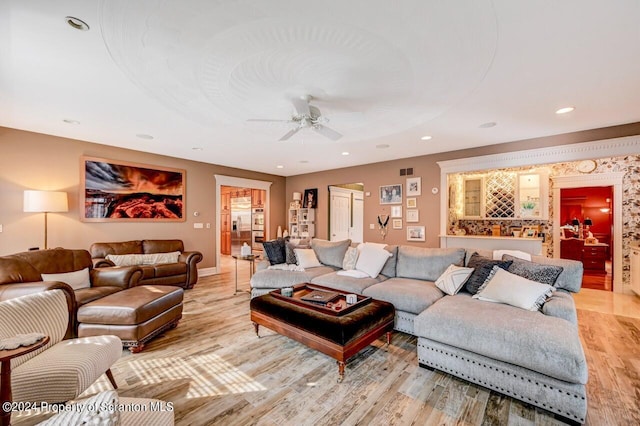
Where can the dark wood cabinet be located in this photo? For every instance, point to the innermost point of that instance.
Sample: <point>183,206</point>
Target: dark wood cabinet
<point>594,257</point>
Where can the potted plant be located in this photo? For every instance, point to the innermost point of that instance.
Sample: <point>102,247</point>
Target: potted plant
<point>528,207</point>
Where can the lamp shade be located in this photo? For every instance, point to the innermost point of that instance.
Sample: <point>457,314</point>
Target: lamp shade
<point>575,222</point>
<point>588,221</point>
<point>45,201</point>
<point>297,196</point>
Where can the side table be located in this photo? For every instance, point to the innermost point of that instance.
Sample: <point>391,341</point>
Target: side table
<point>5,381</point>
<point>251,259</point>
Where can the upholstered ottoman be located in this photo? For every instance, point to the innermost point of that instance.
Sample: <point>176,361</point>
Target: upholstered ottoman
<point>136,315</point>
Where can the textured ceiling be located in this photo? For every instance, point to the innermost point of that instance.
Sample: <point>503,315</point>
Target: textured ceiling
<point>191,73</point>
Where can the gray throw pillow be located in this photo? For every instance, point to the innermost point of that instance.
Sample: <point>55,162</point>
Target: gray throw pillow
<point>545,274</point>
<point>290,254</point>
<point>482,268</point>
<point>330,253</point>
<point>275,251</point>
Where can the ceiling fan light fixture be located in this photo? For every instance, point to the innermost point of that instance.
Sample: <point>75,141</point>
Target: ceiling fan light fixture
<point>76,24</point>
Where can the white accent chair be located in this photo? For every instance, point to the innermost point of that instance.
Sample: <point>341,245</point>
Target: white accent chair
<point>62,369</point>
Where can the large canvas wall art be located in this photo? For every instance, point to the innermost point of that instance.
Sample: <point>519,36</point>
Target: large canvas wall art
<point>120,191</point>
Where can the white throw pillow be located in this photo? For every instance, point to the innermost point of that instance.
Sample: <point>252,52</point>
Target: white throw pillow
<point>452,280</point>
<point>350,259</point>
<point>307,258</point>
<point>76,279</point>
<point>504,287</point>
<point>497,254</point>
<point>143,259</point>
<point>372,259</point>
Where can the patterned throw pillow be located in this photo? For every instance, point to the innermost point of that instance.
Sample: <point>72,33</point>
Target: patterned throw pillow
<point>504,287</point>
<point>275,251</point>
<point>545,274</point>
<point>482,266</point>
<point>452,280</point>
<point>350,259</point>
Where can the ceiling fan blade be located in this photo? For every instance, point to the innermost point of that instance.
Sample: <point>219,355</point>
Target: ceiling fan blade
<point>290,133</point>
<point>326,131</point>
<point>302,106</point>
<point>268,120</point>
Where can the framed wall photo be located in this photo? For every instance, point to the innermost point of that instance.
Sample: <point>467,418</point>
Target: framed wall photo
<point>412,216</point>
<point>112,190</point>
<point>414,186</point>
<point>310,200</point>
<point>529,232</point>
<point>396,211</point>
<point>415,233</point>
<point>391,194</point>
<point>411,203</point>
<point>397,223</point>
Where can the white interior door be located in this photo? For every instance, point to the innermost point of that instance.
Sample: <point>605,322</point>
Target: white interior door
<point>340,216</point>
<point>357,228</point>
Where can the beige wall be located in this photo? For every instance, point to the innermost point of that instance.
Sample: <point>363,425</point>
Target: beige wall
<point>43,162</point>
<point>426,167</point>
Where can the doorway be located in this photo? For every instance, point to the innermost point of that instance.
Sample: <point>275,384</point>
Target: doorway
<point>612,180</point>
<point>242,219</point>
<point>586,214</point>
<point>346,212</point>
<point>259,195</point>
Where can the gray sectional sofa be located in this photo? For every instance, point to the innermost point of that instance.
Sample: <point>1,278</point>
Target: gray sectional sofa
<point>533,356</point>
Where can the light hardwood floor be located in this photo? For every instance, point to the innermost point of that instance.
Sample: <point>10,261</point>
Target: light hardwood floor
<point>216,371</point>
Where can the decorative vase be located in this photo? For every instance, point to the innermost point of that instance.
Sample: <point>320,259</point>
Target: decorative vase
<point>279,233</point>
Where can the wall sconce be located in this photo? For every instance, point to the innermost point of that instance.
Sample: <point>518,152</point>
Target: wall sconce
<point>45,202</point>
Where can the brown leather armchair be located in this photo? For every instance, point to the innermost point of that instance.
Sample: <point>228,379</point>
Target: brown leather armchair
<point>21,274</point>
<point>183,273</point>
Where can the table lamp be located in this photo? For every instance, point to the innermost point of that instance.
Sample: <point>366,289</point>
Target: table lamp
<point>45,202</point>
<point>576,226</point>
<point>587,224</point>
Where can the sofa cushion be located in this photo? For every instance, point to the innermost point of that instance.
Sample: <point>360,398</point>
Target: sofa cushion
<point>169,269</point>
<point>452,280</point>
<point>275,251</point>
<point>76,279</point>
<point>406,294</point>
<point>306,258</point>
<point>272,279</point>
<point>345,283</point>
<point>483,267</point>
<point>426,263</point>
<point>530,339</point>
<point>162,246</point>
<point>330,253</point>
<point>389,269</point>
<point>504,287</point>
<point>546,274</point>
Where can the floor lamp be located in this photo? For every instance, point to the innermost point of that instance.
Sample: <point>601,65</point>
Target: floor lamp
<point>45,202</point>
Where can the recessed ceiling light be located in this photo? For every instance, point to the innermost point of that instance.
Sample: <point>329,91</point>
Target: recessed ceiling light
<point>197,148</point>
<point>304,161</point>
<point>144,136</point>
<point>76,23</point>
<point>70,121</point>
<point>425,138</point>
<point>382,146</point>
<point>345,153</point>
<point>565,110</point>
<point>280,166</point>
<point>488,125</point>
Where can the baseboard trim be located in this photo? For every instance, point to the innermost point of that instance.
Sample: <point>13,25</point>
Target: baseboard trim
<point>205,272</point>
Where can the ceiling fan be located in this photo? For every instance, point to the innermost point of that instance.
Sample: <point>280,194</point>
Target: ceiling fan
<point>306,116</point>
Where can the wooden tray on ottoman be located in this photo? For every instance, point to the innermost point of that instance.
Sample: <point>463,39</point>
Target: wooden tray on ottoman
<point>335,333</point>
<point>337,305</point>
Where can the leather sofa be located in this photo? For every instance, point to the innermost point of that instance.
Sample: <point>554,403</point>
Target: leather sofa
<point>21,274</point>
<point>182,273</point>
